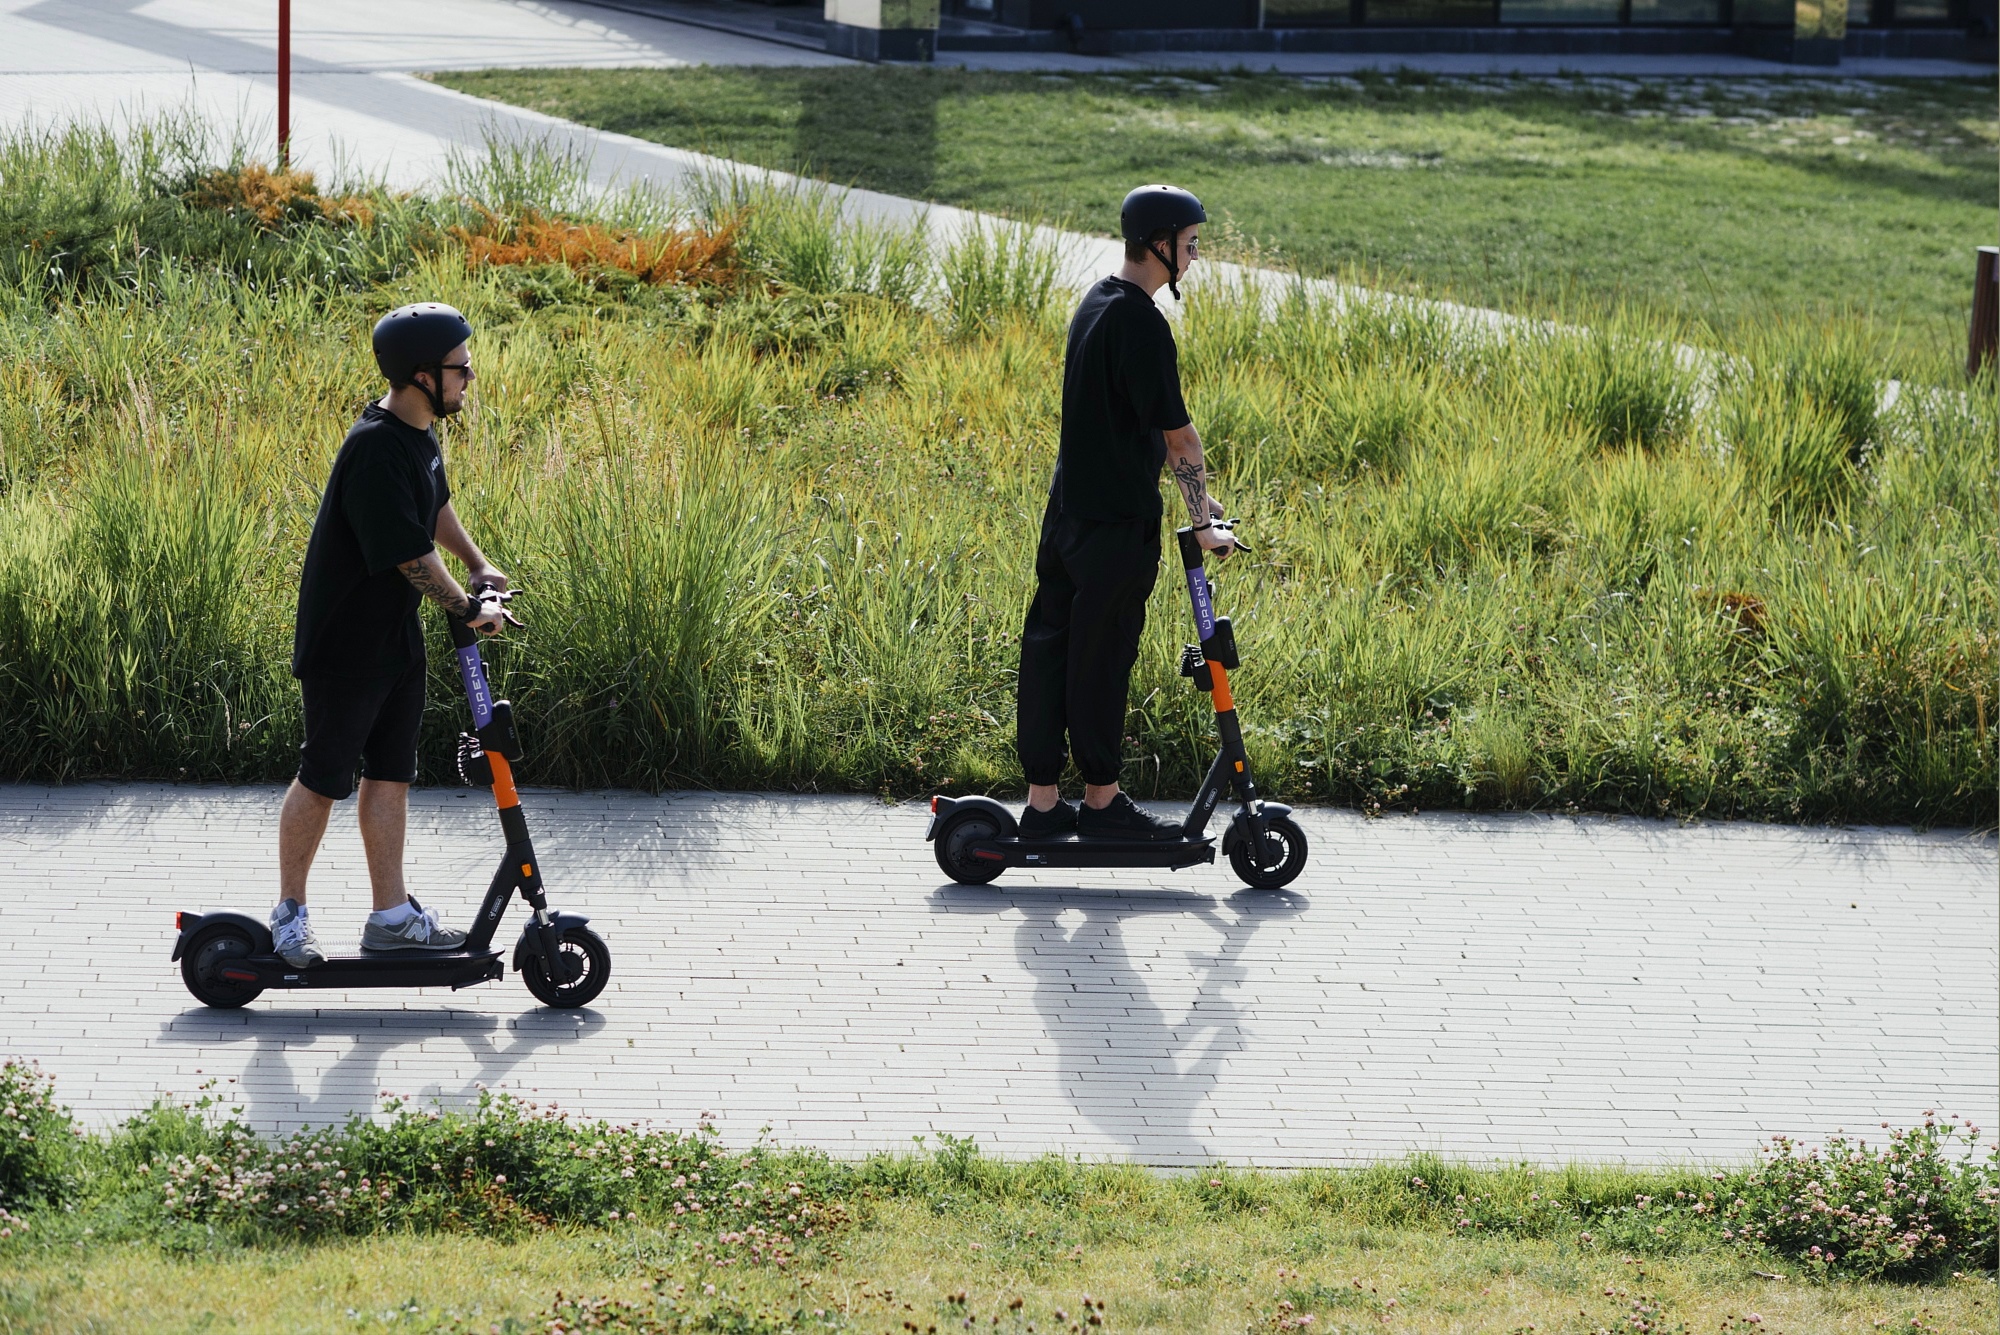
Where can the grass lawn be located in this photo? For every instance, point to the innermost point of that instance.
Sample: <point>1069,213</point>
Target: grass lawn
<point>1714,202</point>
<point>1230,1275</point>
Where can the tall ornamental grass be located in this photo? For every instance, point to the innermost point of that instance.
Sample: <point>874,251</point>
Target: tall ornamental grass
<point>774,508</point>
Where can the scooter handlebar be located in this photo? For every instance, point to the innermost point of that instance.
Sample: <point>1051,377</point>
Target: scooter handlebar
<point>1192,551</point>
<point>488,600</point>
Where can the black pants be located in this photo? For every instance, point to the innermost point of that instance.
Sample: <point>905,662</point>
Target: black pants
<point>1081,639</point>
<point>370,719</point>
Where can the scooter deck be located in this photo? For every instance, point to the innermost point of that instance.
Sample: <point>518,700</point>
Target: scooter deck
<point>453,969</point>
<point>1072,851</point>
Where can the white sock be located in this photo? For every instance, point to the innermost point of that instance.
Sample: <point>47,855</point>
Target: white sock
<point>394,917</point>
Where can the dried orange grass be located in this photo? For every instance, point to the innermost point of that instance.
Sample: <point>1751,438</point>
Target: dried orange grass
<point>275,197</point>
<point>681,256</point>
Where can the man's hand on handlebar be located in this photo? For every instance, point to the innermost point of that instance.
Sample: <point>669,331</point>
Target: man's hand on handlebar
<point>487,612</point>
<point>1219,537</point>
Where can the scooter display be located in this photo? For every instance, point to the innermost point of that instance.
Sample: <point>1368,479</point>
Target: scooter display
<point>228,959</point>
<point>976,838</point>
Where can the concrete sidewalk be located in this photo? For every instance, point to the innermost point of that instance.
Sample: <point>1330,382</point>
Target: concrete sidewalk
<point>357,104</point>
<point>1541,987</point>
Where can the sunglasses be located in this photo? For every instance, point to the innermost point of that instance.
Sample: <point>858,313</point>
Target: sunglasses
<point>463,368</point>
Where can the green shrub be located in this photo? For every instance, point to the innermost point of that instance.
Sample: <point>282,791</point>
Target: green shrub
<point>501,1168</point>
<point>37,1143</point>
<point>1920,1205</point>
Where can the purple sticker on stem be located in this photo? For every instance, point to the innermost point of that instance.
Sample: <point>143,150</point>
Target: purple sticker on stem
<point>473,674</point>
<point>1204,611</point>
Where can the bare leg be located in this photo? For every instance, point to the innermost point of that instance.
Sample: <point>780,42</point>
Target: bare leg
<point>1044,796</point>
<point>1097,796</point>
<point>385,813</point>
<point>301,826</point>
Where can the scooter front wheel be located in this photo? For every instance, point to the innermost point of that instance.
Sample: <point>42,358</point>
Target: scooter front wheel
<point>207,963</point>
<point>1274,861</point>
<point>953,845</point>
<point>585,964</point>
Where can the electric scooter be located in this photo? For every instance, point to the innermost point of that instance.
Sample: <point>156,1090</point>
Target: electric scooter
<point>228,959</point>
<point>976,838</point>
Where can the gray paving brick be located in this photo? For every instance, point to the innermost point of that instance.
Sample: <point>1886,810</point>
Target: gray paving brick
<point>1521,987</point>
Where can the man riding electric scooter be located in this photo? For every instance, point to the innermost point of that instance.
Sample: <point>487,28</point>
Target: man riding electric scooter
<point>1122,420</point>
<point>358,650</point>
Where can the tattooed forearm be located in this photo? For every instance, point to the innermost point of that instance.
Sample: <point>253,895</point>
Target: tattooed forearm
<point>1191,477</point>
<point>427,576</point>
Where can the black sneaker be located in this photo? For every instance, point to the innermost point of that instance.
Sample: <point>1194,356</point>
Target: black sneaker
<point>1054,823</point>
<point>1122,818</point>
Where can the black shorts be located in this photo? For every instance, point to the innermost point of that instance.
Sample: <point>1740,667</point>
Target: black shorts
<point>370,719</point>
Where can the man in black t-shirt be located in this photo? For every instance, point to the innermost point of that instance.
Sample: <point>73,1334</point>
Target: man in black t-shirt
<point>358,648</point>
<point>1122,419</point>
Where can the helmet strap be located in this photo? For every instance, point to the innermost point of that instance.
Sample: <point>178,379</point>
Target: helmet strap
<point>1173,269</point>
<point>436,396</point>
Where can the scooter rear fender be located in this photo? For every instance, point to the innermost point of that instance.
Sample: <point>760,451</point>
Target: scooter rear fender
<point>192,923</point>
<point>941,807</point>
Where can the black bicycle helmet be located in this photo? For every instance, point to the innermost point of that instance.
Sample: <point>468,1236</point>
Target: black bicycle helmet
<point>416,338</point>
<point>1152,209</point>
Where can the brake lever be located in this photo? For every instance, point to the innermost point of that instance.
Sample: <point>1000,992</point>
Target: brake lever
<point>485,594</point>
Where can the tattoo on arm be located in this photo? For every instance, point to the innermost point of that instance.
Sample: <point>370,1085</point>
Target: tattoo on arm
<point>1190,476</point>
<point>435,585</point>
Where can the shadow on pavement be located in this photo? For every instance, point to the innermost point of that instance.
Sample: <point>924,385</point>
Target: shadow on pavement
<point>1136,1072</point>
<point>274,1095</point>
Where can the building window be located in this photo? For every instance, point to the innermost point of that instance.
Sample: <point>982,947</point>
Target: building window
<point>1306,13</point>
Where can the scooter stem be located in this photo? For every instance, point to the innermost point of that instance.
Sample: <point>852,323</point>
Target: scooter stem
<point>479,695</point>
<point>1197,584</point>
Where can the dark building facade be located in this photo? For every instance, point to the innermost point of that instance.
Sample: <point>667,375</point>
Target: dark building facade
<point>1130,15</point>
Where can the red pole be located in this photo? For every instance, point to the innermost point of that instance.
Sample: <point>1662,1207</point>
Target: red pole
<point>284,85</point>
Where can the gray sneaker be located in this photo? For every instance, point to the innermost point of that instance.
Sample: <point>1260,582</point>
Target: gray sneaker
<point>419,931</point>
<point>292,933</point>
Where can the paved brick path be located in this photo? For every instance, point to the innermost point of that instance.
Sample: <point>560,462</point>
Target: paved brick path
<point>1531,986</point>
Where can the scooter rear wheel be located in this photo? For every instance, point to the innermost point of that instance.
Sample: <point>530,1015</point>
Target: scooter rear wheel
<point>953,847</point>
<point>1277,863</point>
<point>205,958</point>
<point>586,962</point>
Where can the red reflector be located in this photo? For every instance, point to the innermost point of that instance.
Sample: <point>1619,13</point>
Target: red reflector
<point>239,975</point>
<point>989,855</point>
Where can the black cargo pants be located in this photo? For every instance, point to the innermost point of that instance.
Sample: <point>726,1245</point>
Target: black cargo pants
<point>1079,644</point>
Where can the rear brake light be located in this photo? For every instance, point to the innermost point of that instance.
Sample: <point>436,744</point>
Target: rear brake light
<point>180,922</point>
<point>933,804</point>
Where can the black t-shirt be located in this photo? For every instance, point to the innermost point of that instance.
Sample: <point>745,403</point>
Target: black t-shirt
<point>357,613</point>
<point>1121,390</point>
